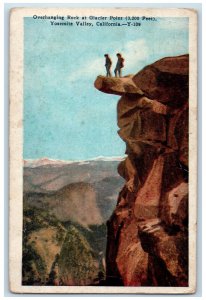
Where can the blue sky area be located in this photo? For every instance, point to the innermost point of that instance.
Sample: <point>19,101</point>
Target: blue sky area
<point>65,117</point>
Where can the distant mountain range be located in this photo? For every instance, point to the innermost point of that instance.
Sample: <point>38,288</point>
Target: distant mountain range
<point>92,185</point>
<point>33,163</point>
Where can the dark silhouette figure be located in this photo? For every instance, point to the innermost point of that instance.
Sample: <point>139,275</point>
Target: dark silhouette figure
<point>108,64</point>
<point>119,65</point>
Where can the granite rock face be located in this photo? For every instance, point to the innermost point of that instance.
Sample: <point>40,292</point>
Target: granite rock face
<point>166,80</point>
<point>147,241</point>
<point>117,86</point>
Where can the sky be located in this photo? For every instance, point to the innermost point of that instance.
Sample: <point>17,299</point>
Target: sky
<point>65,117</point>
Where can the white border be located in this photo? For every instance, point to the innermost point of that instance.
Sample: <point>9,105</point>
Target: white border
<point>16,159</point>
<point>201,129</point>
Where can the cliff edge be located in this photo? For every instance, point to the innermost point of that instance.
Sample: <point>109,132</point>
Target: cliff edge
<point>147,243</point>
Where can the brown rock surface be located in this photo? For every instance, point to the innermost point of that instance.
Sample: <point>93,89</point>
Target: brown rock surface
<point>165,80</point>
<point>148,231</point>
<point>117,86</point>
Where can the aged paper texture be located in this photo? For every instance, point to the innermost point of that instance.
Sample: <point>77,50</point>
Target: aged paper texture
<point>103,150</point>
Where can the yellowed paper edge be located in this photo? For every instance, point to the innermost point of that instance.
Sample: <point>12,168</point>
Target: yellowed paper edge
<point>16,150</point>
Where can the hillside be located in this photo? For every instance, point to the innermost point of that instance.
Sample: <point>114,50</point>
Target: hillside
<point>66,205</point>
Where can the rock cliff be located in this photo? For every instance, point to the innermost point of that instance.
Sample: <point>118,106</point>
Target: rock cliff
<point>147,243</point>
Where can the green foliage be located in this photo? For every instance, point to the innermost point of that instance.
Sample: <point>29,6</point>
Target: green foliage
<point>95,235</point>
<point>76,258</point>
<point>60,236</point>
<point>34,219</point>
<point>33,270</point>
<point>79,259</point>
<point>33,266</point>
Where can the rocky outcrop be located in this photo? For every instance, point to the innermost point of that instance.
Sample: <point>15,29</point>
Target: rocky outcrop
<point>117,86</point>
<point>165,80</point>
<point>147,241</point>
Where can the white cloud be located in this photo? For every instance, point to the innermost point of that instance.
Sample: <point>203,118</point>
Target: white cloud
<point>89,69</point>
<point>133,51</point>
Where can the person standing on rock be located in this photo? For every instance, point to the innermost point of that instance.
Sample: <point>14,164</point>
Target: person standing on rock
<point>119,65</point>
<point>108,64</point>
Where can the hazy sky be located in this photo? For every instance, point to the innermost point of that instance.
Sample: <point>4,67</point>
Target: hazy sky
<point>65,117</point>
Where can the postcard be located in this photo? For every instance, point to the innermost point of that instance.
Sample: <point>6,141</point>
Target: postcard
<point>103,150</point>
